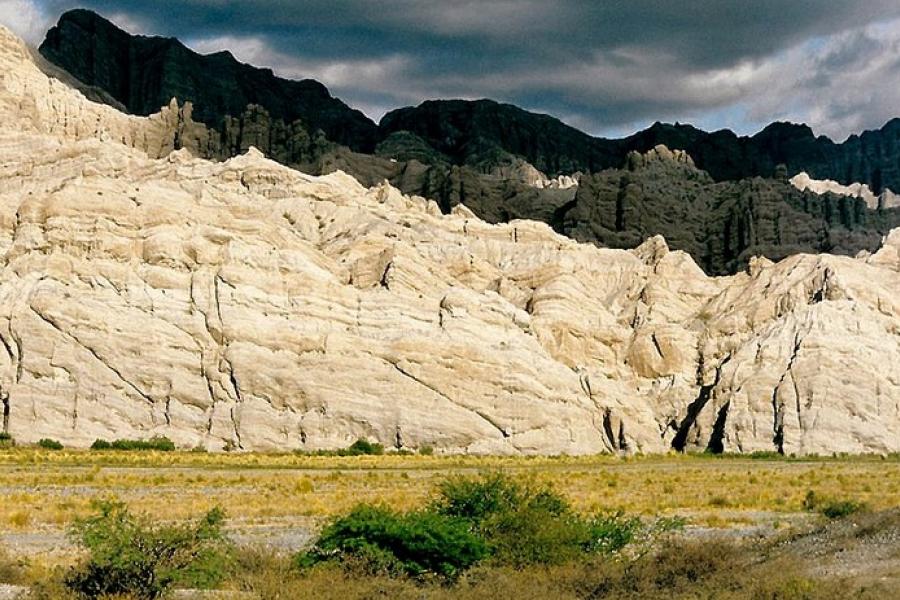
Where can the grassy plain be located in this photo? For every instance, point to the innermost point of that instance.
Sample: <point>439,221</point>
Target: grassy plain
<point>42,489</point>
<point>748,534</point>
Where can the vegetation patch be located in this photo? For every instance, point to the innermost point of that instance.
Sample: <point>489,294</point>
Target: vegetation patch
<point>128,554</point>
<point>360,447</point>
<point>831,508</point>
<point>158,443</point>
<point>49,444</point>
<point>490,518</point>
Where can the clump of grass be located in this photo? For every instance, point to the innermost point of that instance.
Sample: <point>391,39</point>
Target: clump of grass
<point>12,571</point>
<point>49,444</point>
<point>158,443</point>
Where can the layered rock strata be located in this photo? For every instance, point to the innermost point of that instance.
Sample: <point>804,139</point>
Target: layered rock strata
<point>244,304</point>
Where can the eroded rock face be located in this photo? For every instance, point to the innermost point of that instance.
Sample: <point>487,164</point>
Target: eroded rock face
<point>885,200</point>
<point>144,291</point>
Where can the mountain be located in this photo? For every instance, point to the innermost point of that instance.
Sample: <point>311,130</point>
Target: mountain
<point>244,304</point>
<point>144,73</point>
<point>466,130</point>
<point>499,160</point>
<point>472,132</point>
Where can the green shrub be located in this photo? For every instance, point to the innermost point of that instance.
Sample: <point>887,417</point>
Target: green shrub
<point>526,524</point>
<point>48,444</point>
<point>383,541</point>
<point>360,447</point>
<point>838,509</point>
<point>6,440</point>
<point>471,519</point>
<point>363,447</point>
<point>159,443</point>
<point>129,554</point>
<point>831,508</point>
<point>426,451</point>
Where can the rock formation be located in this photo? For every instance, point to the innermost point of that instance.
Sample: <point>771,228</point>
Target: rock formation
<point>145,291</point>
<point>723,225</point>
<point>502,162</point>
<point>886,199</point>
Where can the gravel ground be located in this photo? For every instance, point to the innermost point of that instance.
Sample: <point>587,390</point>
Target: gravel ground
<point>283,535</point>
<point>862,547</point>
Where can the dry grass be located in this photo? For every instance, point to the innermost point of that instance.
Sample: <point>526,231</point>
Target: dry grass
<point>678,570</point>
<point>40,488</point>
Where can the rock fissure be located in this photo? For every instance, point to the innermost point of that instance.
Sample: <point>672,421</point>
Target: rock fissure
<point>129,384</point>
<point>778,405</point>
<point>679,442</point>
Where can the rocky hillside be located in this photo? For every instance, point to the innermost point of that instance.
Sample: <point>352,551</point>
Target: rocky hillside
<point>249,106</point>
<point>145,291</point>
<point>497,159</point>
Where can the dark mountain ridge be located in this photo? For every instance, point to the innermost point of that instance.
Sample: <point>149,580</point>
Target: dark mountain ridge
<point>722,207</point>
<point>144,73</point>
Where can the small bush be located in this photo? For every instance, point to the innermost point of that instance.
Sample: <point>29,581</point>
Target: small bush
<point>129,554</point>
<point>158,443</point>
<point>838,509</point>
<point>833,509</point>
<point>360,447</point>
<point>426,451</point>
<point>6,440</point>
<point>48,444</point>
<point>383,541</point>
<point>363,447</point>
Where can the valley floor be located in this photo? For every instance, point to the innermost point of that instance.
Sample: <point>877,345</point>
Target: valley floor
<point>278,501</point>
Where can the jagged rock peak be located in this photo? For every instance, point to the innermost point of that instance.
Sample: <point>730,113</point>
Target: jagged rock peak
<point>659,153</point>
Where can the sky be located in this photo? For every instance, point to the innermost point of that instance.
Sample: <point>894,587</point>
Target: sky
<point>608,67</point>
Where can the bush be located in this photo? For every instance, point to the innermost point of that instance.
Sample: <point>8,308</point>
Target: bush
<point>360,447</point>
<point>833,509</point>
<point>383,541</point>
<point>491,517</point>
<point>529,524</point>
<point>6,440</point>
<point>363,447</point>
<point>48,444</point>
<point>159,443</point>
<point>129,554</point>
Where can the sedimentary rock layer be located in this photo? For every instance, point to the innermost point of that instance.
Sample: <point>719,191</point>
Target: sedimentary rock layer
<point>145,291</point>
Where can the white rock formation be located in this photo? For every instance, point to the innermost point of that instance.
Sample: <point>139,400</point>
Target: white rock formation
<point>887,199</point>
<point>521,170</point>
<point>246,303</point>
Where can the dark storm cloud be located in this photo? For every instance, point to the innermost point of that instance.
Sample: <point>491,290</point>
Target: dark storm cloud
<point>607,66</point>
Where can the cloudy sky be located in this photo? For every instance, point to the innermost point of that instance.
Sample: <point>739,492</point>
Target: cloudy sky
<point>609,67</point>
